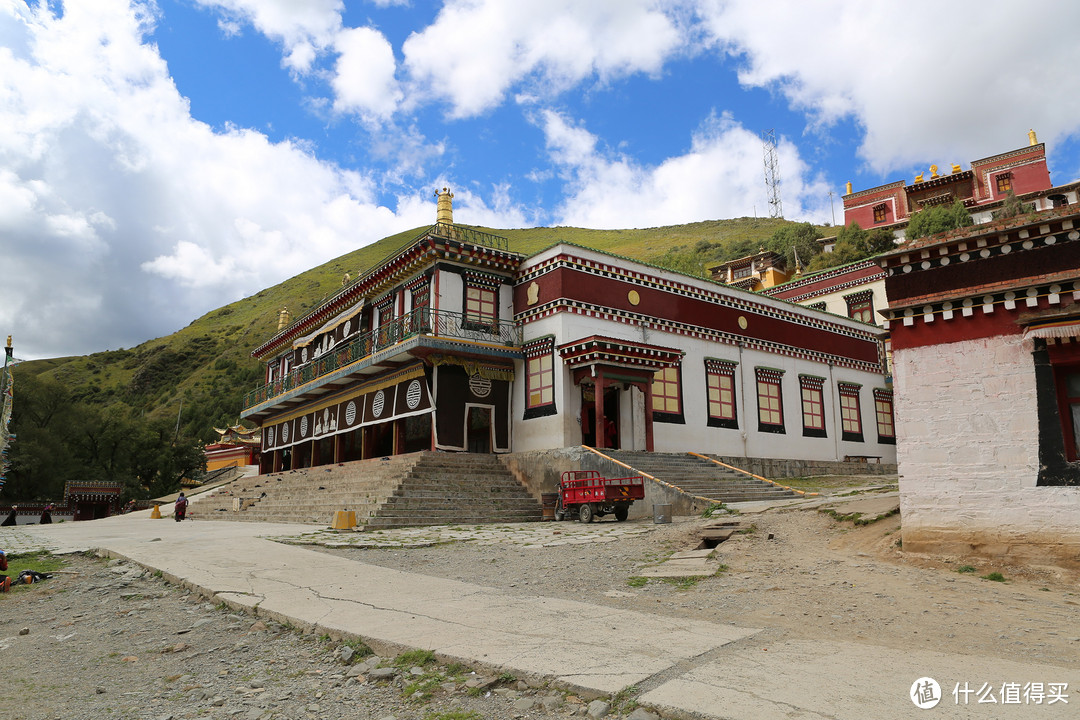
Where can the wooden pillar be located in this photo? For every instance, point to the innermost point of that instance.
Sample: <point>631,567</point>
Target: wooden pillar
<point>316,454</point>
<point>363,443</point>
<point>276,467</point>
<point>600,432</point>
<point>648,418</point>
<point>338,448</point>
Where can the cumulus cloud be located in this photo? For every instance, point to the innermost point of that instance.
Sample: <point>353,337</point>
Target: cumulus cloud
<point>123,217</point>
<point>948,81</point>
<point>363,79</point>
<point>719,176</point>
<point>477,50</point>
<point>305,29</point>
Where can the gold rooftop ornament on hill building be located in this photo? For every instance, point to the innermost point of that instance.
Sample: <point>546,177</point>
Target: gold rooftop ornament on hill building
<point>444,209</point>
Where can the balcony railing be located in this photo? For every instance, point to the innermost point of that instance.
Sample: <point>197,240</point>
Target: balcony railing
<point>461,233</point>
<point>422,321</point>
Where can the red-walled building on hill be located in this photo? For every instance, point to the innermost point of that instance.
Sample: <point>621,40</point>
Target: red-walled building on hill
<point>982,188</point>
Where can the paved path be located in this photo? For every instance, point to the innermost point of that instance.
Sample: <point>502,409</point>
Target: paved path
<point>682,667</point>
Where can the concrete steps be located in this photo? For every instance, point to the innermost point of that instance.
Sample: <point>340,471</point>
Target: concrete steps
<point>700,477</point>
<point>425,488</point>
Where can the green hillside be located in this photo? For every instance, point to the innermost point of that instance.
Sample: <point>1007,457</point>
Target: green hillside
<point>207,366</point>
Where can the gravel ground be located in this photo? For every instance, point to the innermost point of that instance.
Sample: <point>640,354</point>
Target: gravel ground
<point>112,641</point>
<point>798,574</point>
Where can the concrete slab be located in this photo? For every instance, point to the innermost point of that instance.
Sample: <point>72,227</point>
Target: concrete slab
<point>840,680</point>
<point>591,649</point>
<point>688,668</point>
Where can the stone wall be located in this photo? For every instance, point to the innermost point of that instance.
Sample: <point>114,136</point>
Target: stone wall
<point>778,469</point>
<point>968,455</point>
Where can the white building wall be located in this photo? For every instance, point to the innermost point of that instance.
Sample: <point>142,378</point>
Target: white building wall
<point>835,303</point>
<point>968,460</point>
<point>564,429</point>
<point>450,296</point>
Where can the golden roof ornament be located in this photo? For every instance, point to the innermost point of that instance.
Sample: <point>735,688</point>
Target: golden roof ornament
<point>283,318</point>
<point>1032,140</point>
<point>444,209</point>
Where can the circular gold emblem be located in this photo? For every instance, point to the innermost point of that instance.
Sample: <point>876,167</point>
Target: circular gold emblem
<point>742,322</point>
<point>633,297</point>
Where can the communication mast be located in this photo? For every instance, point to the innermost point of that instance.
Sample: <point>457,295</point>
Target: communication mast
<point>772,173</point>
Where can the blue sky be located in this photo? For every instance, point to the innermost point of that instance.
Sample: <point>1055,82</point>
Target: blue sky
<point>161,159</point>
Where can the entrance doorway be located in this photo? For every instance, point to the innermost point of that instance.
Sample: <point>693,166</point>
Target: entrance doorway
<point>478,429</point>
<point>610,418</point>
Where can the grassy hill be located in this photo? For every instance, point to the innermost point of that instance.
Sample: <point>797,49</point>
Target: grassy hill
<point>207,366</point>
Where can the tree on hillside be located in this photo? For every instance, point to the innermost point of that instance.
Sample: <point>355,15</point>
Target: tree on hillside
<point>801,238</point>
<point>936,219</point>
<point>854,244</point>
<point>60,439</point>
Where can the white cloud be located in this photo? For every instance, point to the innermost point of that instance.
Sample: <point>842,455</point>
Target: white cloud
<point>720,176</point>
<point>944,82</point>
<point>304,28</point>
<point>476,50</point>
<point>363,80</point>
<point>123,217</point>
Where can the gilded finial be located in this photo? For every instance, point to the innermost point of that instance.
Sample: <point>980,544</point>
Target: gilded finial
<point>933,172</point>
<point>849,187</point>
<point>444,209</point>
<point>955,167</point>
<point>918,178</point>
<point>1032,140</point>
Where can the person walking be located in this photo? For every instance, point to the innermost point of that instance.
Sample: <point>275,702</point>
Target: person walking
<point>10,519</point>
<point>46,515</point>
<point>180,510</point>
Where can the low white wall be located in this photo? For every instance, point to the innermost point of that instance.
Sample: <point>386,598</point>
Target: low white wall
<point>969,455</point>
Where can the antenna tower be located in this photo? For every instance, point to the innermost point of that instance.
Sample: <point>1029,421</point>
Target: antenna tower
<point>772,173</point>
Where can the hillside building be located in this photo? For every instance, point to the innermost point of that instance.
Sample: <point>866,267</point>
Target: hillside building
<point>982,188</point>
<point>757,272</point>
<point>985,325</point>
<point>455,343</point>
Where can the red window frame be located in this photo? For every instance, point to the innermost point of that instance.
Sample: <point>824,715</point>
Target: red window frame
<point>720,393</point>
<point>812,399</point>
<point>1004,183</point>
<point>770,398</point>
<point>540,381</point>
<point>861,307</point>
<point>480,305</point>
<point>883,412</point>
<point>850,412</point>
<point>666,395</point>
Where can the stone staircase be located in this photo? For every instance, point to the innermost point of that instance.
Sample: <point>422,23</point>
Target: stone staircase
<point>425,488</point>
<point>699,477</point>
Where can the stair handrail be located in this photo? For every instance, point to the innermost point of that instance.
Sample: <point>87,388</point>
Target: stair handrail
<point>645,474</point>
<point>747,472</point>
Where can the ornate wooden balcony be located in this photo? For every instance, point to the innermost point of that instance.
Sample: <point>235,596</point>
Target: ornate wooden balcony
<point>418,324</point>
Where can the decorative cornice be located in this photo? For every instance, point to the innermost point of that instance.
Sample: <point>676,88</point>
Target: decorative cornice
<point>653,324</point>
<point>723,296</point>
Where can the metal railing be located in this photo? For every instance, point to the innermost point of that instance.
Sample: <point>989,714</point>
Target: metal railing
<point>461,233</point>
<point>422,321</point>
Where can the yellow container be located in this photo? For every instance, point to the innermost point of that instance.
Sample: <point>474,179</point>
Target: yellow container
<point>344,520</point>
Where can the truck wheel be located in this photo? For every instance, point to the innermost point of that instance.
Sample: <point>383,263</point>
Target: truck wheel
<point>585,513</point>
<point>621,513</point>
